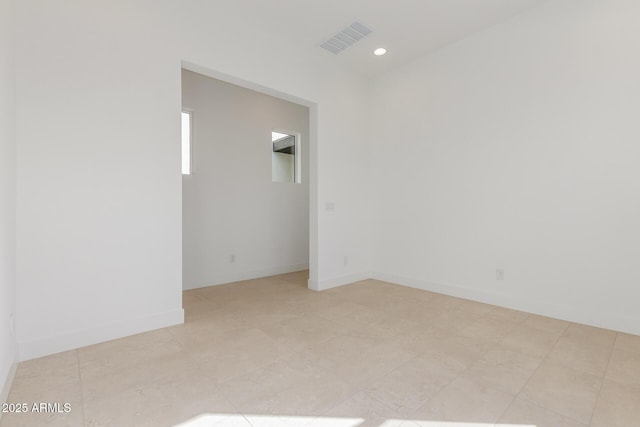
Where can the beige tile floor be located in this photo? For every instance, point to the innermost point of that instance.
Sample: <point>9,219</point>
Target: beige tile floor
<point>270,352</point>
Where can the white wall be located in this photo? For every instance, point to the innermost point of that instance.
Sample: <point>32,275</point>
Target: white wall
<point>99,183</point>
<point>7,196</point>
<point>98,174</point>
<point>518,149</point>
<point>230,204</point>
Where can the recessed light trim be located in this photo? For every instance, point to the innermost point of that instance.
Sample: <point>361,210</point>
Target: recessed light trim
<point>380,51</point>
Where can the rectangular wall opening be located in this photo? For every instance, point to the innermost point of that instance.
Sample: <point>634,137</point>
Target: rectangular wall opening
<point>285,157</point>
<point>186,142</point>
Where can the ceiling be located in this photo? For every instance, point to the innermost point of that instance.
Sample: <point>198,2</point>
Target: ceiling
<point>408,29</point>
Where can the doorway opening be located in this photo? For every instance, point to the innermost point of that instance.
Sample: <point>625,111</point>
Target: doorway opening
<point>239,221</point>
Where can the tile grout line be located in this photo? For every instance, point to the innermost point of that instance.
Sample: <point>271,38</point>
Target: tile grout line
<point>84,418</point>
<point>459,374</point>
<point>483,354</point>
<point>604,375</point>
<point>454,378</point>
<point>533,374</point>
<point>365,388</point>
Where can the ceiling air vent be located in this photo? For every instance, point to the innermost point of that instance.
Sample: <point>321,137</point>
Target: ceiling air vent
<point>346,38</point>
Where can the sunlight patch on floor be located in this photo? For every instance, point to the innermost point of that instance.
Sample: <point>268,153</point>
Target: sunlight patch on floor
<point>235,420</point>
<point>425,423</point>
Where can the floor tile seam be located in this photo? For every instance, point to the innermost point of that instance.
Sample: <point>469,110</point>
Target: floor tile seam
<point>573,369</point>
<point>82,403</point>
<point>193,361</point>
<point>224,355</point>
<point>506,408</point>
<point>504,389</point>
<point>544,359</point>
<point>264,329</point>
<point>542,329</point>
<point>494,340</point>
<point>480,342</point>
<point>440,389</point>
<point>590,343</point>
<point>419,354</point>
<point>364,390</point>
<point>529,378</point>
<point>269,412</point>
<point>602,379</point>
<point>395,369</point>
<point>231,404</point>
<point>360,307</point>
<point>526,399</point>
<point>355,393</point>
<point>19,384</point>
<point>629,350</point>
<point>384,404</point>
<point>283,359</point>
<point>459,375</point>
<point>134,366</point>
<point>135,387</point>
<point>219,383</point>
<point>586,337</point>
<point>514,324</point>
<point>468,368</point>
<point>539,330</point>
<point>177,341</point>
<point>542,362</point>
<point>569,367</point>
<point>346,334</point>
<point>331,318</point>
<point>635,383</point>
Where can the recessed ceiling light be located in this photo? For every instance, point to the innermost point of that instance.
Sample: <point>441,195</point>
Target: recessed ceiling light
<point>380,51</point>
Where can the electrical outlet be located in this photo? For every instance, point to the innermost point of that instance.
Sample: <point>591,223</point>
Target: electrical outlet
<point>346,260</point>
<point>499,274</point>
<point>232,258</point>
<point>12,326</point>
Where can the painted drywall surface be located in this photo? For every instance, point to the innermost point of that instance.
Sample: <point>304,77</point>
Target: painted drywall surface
<point>231,207</point>
<point>99,182</point>
<point>517,149</point>
<point>99,191</point>
<point>7,193</point>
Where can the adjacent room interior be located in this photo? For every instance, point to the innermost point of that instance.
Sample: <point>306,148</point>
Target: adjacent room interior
<point>408,213</point>
<point>245,196</point>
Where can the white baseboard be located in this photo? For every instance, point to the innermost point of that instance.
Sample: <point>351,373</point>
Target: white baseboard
<point>323,285</point>
<point>543,308</point>
<point>248,275</point>
<point>72,340</point>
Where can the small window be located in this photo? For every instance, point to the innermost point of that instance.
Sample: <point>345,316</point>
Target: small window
<point>285,158</point>
<point>186,143</point>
